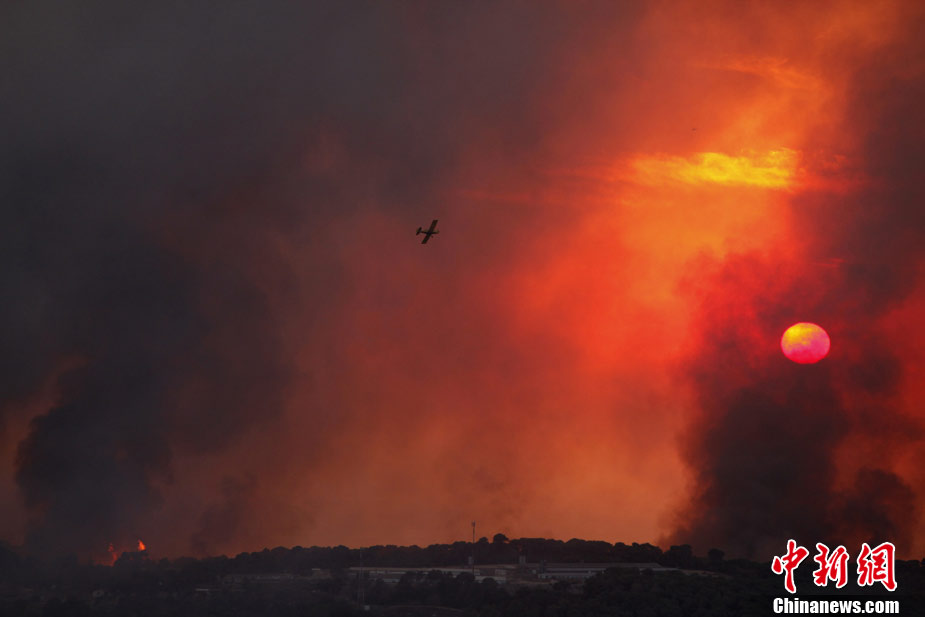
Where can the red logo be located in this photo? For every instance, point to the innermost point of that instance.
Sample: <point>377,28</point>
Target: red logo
<point>789,562</point>
<point>834,567</point>
<point>875,565</point>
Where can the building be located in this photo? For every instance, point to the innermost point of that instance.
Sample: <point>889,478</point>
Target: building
<point>506,573</point>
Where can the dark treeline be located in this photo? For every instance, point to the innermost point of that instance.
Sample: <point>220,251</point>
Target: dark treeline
<point>500,550</point>
<point>316,581</point>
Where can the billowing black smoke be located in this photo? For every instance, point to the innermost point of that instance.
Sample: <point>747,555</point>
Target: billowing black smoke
<point>155,160</point>
<point>148,156</point>
<point>806,452</point>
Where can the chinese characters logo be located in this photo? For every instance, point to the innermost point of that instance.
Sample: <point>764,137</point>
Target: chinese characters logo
<point>874,565</point>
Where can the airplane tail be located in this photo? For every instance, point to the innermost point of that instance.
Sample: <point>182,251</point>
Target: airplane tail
<point>419,231</point>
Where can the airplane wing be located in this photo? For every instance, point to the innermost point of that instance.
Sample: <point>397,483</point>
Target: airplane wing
<point>433,226</point>
<point>426,238</point>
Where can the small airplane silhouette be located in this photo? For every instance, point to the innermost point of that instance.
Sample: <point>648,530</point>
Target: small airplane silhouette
<point>429,232</point>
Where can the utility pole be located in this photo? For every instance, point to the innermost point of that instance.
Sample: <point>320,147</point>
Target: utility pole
<point>361,591</point>
<point>473,548</point>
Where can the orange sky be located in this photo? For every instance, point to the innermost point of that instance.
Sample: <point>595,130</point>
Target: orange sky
<point>530,368</point>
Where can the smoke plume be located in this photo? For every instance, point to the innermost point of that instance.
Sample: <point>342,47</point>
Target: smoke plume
<point>784,451</point>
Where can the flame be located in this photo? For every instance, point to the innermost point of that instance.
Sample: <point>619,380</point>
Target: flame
<point>113,553</point>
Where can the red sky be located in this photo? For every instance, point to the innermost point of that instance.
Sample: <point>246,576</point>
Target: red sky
<point>633,204</point>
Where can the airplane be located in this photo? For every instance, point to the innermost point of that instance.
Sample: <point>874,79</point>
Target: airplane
<point>429,232</point>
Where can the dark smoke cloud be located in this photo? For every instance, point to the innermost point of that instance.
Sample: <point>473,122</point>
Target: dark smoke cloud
<point>222,521</point>
<point>139,159</point>
<point>145,159</point>
<point>785,451</point>
<point>154,161</point>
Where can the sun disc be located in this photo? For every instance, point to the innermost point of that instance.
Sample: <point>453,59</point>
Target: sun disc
<point>805,343</point>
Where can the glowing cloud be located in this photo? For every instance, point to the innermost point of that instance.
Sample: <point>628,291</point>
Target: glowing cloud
<point>779,70</point>
<point>774,169</point>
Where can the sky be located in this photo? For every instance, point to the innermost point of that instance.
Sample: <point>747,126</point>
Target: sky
<point>220,332</point>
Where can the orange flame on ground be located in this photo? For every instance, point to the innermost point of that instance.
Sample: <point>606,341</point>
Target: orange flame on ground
<point>115,553</point>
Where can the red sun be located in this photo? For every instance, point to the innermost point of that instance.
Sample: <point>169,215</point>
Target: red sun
<point>805,343</point>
